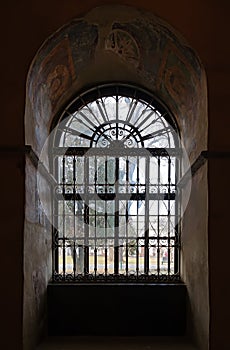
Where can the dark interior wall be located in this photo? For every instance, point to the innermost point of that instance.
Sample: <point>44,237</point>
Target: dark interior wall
<point>25,25</point>
<point>121,305</point>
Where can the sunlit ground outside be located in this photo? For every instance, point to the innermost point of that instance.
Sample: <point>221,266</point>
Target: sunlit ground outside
<point>99,266</point>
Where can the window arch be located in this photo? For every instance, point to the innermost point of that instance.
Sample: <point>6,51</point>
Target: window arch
<point>116,159</point>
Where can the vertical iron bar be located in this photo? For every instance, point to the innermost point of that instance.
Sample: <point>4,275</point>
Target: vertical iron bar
<point>95,260</point>
<point>127,219</point>
<point>106,214</point>
<point>137,250</point>
<point>106,258</point>
<point>137,256</point>
<point>95,216</point>
<point>63,216</point>
<point>137,218</point>
<point>116,248</point>
<point>146,257</point>
<point>169,212</point>
<point>177,225</point>
<point>116,242</point>
<point>117,116</point>
<point>55,228</point>
<point>127,235</point>
<point>86,217</point>
<point>158,217</point>
<point>74,214</point>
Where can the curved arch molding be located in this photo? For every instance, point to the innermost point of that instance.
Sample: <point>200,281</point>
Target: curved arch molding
<point>128,46</point>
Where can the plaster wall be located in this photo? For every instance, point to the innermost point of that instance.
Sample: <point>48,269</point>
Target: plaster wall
<point>195,269</point>
<point>37,261</point>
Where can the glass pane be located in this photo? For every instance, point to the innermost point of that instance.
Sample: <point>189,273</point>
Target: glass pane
<point>141,255</point>
<point>153,256</point>
<point>110,246</point>
<point>80,257</point>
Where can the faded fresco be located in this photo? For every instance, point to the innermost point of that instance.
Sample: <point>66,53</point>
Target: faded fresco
<point>144,45</point>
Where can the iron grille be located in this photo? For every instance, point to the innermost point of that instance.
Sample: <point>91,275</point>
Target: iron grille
<point>116,161</point>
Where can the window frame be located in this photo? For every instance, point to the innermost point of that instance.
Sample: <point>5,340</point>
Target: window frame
<point>87,97</point>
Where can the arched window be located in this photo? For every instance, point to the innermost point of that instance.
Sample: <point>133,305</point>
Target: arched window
<point>116,162</point>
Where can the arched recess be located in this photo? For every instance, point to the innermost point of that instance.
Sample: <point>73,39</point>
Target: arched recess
<point>116,44</point>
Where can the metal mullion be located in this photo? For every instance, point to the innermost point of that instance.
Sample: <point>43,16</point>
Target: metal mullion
<point>55,255</point>
<point>177,226</point>
<point>158,219</point>
<point>74,211</point>
<point>87,106</point>
<point>106,258</point>
<point>105,111</point>
<point>158,132</point>
<point>106,215</point>
<point>137,256</point>
<point>81,151</point>
<point>101,111</point>
<point>169,213</point>
<point>127,220</point>
<point>106,174</point>
<point>88,120</point>
<point>86,217</point>
<point>152,122</point>
<point>117,116</point>
<point>119,196</point>
<point>83,123</point>
<point>77,133</point>
<point>116,240</point>
<point>131,110</point>
<point>127,174</point>
<point>149,105</point>
<point>93,114</point>
<point>145,119</point>
<point>138,175</point>
<point>127,235</point>
<point>137,251</point>
<point>63,216</point>
<point>55,214</point>
<point>95,258</point>
<point>146,257</point>
<point>95,218</point>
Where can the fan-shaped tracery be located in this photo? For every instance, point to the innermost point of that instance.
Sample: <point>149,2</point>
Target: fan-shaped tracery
<point>117,117</point>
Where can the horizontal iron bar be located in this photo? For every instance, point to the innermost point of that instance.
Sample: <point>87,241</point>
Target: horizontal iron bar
<point>68,240</point>
<point>112,196</point>
<point>118,278</point>
<point>116,152</point>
